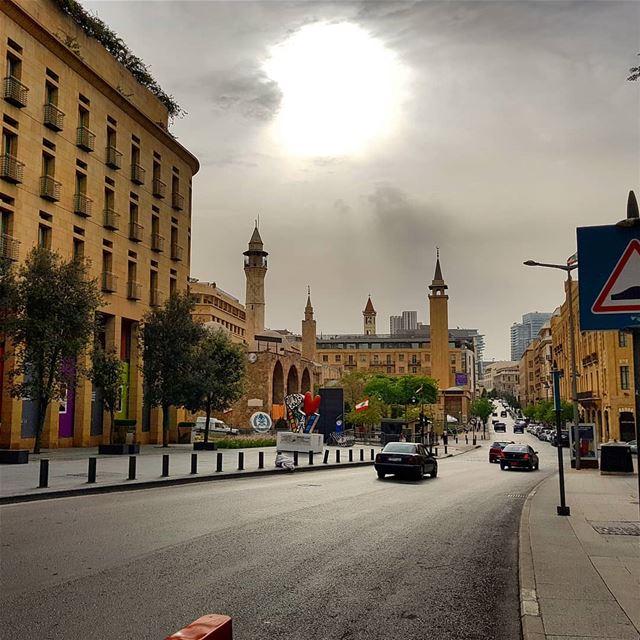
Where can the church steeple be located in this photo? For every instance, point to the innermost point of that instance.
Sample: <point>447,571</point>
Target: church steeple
<point>308,330</point>
<point>369,314</point>
<point>439,328</point>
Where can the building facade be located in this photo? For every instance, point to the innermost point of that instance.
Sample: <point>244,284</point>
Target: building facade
<point>408,321</point>
<point>88,167</point>
<point>522,333</point>
<point>502,377</point>
<point>213,305</point>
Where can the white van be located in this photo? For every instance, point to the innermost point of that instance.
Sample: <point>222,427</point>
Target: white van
<point>215,426</point>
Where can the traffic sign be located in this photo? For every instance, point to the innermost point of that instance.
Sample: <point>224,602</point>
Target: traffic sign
<point>609,282</point>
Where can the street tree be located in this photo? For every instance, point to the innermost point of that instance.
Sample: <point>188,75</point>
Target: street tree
<point>7,290</point>
<point>368,417</point>
<point>482,408</point>
<point>106,375</point>
<point>168,338</point>
<point>54,304</point>
<point>216,375</point>
<point>353,385</point>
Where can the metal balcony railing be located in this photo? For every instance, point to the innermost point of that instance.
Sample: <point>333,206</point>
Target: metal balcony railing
<point>134,290</point>
<point>157,242</point>
<point>8,247</point>
<point>114,158</point>
<point>85,138</point>
<point>159,188</point>
<point>137,173</point>
<point>176,251</point>
<point>11,169</point>
<point>53,117</point>
<point>177,201</point>
<point>82,205</point>
<point>49,188</point>
<point>15,92</point>
<point>110,219</point>
<point>155,298</point>
<point>135,231</point>
<point>109,282</point>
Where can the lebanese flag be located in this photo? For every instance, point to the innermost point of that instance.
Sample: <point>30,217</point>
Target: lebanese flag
<point>361,406</point>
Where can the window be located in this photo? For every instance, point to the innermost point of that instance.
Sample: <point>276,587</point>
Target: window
<point>83,117</point>
<point>624,378</point>
<point>50,93</point>
<point>338,357</point>
<point>81,183</point>
<point>78,248</point>
<point>44,236</point>
<point>622,339</point>
<point>401,357</point>
<point>325,358</point>
<point>14,66</point>
<point>9,143</point>
<point>173,286</point>
<point>48,165</point>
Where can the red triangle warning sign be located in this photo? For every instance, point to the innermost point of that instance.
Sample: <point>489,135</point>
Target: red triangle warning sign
<point>621,292</point>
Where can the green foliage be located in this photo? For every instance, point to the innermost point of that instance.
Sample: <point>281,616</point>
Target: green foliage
<point>7,291</point>
<point>106,375</point>
<point>54,304</point>
<point>543,411</point>
<point>481,408</point>
<point>353,386</point>
<point>370,416</point>
<point>169,338</point>
<point>95,28</point>
<point>402,390</point>
<point>216,375</point>
<point>244,443</point>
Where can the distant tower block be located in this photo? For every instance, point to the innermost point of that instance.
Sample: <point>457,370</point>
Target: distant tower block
<point>308,331</point>
<point>255,270</point>
<point>439,321</point>
<point>369,314</point>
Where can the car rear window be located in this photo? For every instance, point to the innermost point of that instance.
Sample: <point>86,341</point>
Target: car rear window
<point>516,447</point>
<point>399,447</point>
<point>500,444</point>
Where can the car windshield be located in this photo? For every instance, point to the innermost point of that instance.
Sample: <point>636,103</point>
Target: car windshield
<point>516,447</point>
<point>500,444</point>
<point>399,447</point>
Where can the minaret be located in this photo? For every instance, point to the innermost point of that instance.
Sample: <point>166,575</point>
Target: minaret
<point>369,314</point>
<point>439,321</point>
<point>255,270</point>
<point>309,330</point>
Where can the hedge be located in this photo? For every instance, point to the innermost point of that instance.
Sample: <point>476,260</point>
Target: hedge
<point>244,443</point>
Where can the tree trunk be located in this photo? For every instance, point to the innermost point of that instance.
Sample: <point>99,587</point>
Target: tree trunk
<point>110,427</point>
<point>165,425</point>
<point>206,426</point>
<point>42,414</point>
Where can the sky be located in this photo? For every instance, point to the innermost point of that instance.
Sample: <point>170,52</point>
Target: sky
<point>366,134</point>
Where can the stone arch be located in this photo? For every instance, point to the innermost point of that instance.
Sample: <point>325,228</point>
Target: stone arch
<point>277,385</point>
<point>293,384</point>
<point>306,381</point>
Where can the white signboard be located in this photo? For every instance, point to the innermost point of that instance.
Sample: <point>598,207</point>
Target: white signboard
<point>303,442</point>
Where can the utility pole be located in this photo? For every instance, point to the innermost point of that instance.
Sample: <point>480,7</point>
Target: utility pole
<point>574,372</point>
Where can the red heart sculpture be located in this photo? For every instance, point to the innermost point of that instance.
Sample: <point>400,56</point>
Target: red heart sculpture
<point>311,404</point>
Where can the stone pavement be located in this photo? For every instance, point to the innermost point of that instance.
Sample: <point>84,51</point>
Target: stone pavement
<point>580,574</point>
<point>68,468</point>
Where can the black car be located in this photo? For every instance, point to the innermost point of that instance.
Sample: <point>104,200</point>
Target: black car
<point>519,456</point>
<point>564,439</point>
<point>500,426</point>
<point>518,427</point>
<point>405,458</point>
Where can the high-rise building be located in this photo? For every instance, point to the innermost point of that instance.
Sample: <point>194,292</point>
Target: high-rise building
<point>408,321</point>
<point>522,333</point>
<point>89,168</point>
<point>395,325</point>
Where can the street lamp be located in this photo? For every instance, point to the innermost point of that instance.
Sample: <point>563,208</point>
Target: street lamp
<point>572,347</point>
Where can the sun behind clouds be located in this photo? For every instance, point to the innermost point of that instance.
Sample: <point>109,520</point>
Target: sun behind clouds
<point>341,89</point>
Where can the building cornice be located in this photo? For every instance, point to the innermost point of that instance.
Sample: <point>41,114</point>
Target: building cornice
<point>13,10</point>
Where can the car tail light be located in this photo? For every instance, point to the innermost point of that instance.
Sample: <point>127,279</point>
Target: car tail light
<point>525,456</point>
<point>378,458</point>
<point>413,460</point>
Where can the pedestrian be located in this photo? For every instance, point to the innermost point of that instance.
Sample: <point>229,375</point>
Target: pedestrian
<point>284,462</point>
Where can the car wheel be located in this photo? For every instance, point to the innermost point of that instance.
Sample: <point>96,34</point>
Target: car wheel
<point>503,467</point>
<point>419,474</point>
<point>434,473</point>
<point>381,474</point>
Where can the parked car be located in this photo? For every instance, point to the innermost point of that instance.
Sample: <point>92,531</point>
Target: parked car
<point>503,414</point>
<point>500,426</point>
<point>519,456</point>
<point>495,414</point>
<point>215,426</point>
<point>495,452</point>
<point>405,458</point>
<point>633,445</point>
<point>564,439</point>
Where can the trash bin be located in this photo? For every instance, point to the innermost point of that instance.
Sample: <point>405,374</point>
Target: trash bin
<point>615,457</point>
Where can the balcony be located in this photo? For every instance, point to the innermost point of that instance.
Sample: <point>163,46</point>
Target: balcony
<point>159,188</point>
<point>137,174</point>
<point>8,247</point>
<point>109,282</point>
<point>135,231</point>
<point>585,396</point>
<point>11,169</point>
<point>155,298</point>
<point>15,92</point>
<point>113,158</point>
<point>85,139</point>
<point>134,290</point>
<point>110,219</point>
<point>82,205</point>
<point>176,251</point>
<point>177,201</point>
<point>53,117</point>
<point>49,188</point>
<point>157,242</point>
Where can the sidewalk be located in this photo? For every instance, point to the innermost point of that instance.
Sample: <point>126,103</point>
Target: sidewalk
<point>580,574</point>
<point>68,468</point>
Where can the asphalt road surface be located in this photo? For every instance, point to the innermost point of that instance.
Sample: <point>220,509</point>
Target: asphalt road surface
<point>324,554</point>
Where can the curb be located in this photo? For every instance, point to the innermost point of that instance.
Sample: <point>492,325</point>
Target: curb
<point>154,484</point>
<point>530,618</point>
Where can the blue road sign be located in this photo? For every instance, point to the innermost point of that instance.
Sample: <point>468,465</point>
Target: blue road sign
<point>609,281</point>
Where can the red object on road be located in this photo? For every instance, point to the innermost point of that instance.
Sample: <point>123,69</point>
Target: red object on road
<point>213,626</point>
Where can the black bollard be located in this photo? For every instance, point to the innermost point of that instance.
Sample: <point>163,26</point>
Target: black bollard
<point>337,455</point>
<point>474,439</point>
<point>240,460</point>
<point>295,458</point>
<point>361,455</point>
<point>326,456</point>
<point>219,462</point>
<point>373,454</point>
<point>310,457</point>
<point>165,465</point>
<point>445,450</point>
<point>92,471</point>
<point>194,463</point>
<point>132,467</point>
<point>350,455</point>
<point>436,452</point>
<point>44,474</point>
<point>456,439</point>
<point>260,459</point>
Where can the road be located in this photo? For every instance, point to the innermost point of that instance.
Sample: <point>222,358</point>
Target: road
<point>323,554</point>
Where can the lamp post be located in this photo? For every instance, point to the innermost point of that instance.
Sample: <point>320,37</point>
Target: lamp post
<point>562,509</point>
<point>572,347</point>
